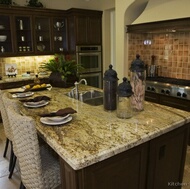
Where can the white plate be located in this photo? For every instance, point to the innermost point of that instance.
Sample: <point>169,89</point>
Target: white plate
<point>22,95</point>
<point>49,122</point>
<point>57,118</point>
<point>35,105</point>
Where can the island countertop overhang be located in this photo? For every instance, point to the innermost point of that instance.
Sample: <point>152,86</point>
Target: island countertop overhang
<point>95,135</point>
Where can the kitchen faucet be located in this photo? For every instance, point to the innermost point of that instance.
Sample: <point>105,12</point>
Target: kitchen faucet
<point>76,87</point>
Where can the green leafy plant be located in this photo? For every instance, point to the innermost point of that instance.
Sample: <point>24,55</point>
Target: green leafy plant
<point>63,64</point>
<point>34,3</point>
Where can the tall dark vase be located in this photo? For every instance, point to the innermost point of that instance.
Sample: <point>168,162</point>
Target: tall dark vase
<point>55,79</point>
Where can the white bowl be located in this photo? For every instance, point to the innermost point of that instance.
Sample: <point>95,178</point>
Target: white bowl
<point>3,38</point>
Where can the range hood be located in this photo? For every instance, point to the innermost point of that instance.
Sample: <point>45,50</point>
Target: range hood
<point>163,16</point>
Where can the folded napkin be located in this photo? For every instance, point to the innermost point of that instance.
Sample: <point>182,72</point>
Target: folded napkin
<point>61,112</point>
<point>36,99</point>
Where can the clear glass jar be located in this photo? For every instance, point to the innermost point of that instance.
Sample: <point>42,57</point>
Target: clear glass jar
<point>124,92</point>
<point>138,82</point>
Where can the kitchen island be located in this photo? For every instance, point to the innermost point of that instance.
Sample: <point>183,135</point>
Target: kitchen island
<point>100,151</point>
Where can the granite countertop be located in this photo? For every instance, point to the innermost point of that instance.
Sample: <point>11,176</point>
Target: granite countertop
<point>95,134</point>
<point>6,79</point>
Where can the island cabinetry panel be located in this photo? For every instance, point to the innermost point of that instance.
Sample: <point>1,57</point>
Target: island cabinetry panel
<point>151,165</point>
<point>126,170</point>
<point>167,158</point>
<point>84,27</point>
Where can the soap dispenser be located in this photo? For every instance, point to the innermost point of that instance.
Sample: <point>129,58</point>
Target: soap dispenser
<point>110,89</point>
<point>124,93</point>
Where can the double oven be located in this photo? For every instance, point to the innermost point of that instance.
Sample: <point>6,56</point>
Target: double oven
<point>90,58</point>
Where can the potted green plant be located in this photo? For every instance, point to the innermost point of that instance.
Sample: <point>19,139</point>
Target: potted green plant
<point>64,70</point>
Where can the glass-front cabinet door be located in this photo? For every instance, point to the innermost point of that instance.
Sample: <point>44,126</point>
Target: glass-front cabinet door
<point>24,44</point>
<point>6,45</point>
<point>59,35</point>
<point>42,35</point>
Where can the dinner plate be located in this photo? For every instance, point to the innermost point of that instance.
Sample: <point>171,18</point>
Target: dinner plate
<point>22,95</point>
<point>46,121</point>
<point>58,118</point>
<point>35,105</point>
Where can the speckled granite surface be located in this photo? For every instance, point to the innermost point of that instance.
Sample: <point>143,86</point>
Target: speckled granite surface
<point>7,79</point>
<point>94,134</point>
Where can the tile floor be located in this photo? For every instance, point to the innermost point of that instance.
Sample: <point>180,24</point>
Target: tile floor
<point>14,183</point>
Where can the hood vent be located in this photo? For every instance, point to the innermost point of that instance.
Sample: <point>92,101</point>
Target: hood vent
<point>167,26</point>
<point>160,10</point>
<point>161,16</point>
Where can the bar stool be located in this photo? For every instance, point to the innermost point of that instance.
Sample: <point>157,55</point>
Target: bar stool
<point>39,168</point>
<point>8,134</point>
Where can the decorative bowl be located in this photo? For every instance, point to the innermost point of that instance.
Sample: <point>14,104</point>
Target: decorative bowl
<point>3,38</point>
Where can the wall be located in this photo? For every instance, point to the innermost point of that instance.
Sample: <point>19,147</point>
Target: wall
<point>66,4</point>
<point>126,12</point>
<point>24,64</point>
<point>172,52</point>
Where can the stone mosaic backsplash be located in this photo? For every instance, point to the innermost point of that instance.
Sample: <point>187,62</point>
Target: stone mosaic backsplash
<point>24,64</point>
<point>172,52</point>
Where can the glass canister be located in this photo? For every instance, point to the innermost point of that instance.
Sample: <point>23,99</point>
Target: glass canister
<point>110,89</point>
<point>138,82</point>
<point>124,93</point>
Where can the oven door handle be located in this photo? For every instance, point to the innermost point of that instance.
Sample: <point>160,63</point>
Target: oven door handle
<point>89,54</point>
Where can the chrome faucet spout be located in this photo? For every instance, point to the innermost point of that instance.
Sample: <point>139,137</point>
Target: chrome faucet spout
<point>76,87</point>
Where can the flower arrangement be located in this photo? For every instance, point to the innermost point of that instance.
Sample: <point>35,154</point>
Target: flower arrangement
<point>63,64</point>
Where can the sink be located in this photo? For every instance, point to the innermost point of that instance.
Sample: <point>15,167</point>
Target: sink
<point>92,97</point>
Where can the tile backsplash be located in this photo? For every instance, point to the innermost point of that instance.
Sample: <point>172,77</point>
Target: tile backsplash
<point>24,64</point>
<point>172,52</point>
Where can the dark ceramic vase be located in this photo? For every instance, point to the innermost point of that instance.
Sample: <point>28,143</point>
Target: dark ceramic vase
<point>55,79</point>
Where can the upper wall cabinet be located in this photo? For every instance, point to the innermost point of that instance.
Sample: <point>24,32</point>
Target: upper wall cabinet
<point>60,43</point>
<point>23,31</point>
<point>32,31</point>
<point>84,27</point>
<point>6,45</point>
<point>42,35</point>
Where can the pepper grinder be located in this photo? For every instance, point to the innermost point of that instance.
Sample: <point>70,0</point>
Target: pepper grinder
<point>110,89</point>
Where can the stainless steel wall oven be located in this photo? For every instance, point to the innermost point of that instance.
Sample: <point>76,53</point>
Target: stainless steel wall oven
<point>90,57</point>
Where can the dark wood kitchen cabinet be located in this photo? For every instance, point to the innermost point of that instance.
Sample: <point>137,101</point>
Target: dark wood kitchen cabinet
<point>24,34</point>
<point>167,159</point>
<point>60,42</point>
<point>6,45</point>
<point>154,164</point>
<point>42,37</point>
<point>174,102</point>
<point>84,27</point>
<point>32,31</point>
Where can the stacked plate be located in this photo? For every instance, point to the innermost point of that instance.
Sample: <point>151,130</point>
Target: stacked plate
<point>36,104</point>
<point>56,120</point>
